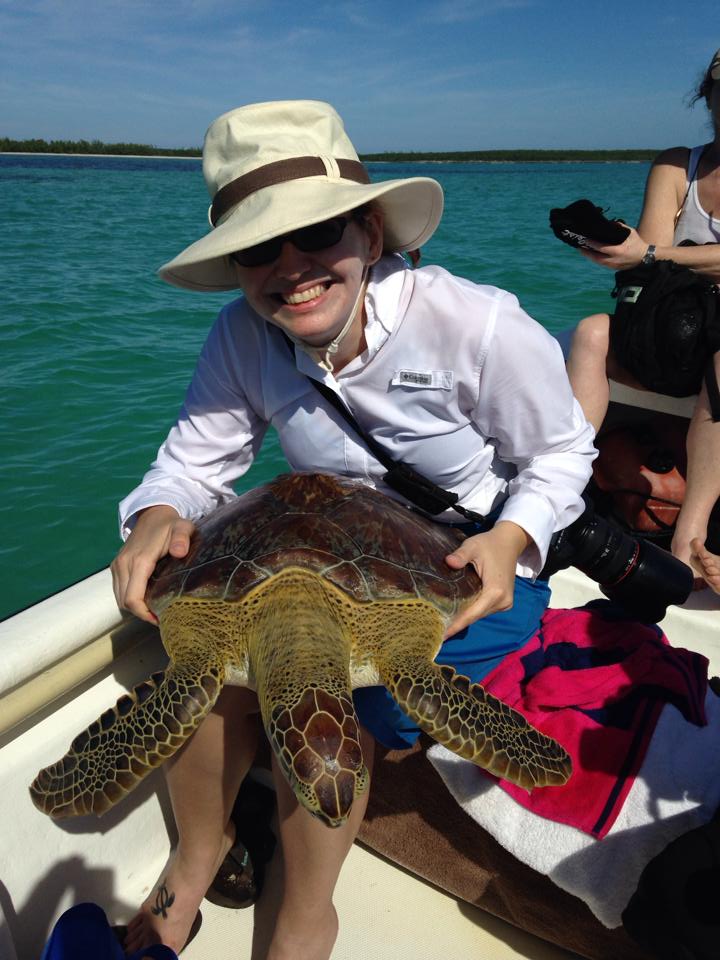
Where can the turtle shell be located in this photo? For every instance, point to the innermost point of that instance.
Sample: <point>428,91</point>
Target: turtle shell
<point>365,543</point>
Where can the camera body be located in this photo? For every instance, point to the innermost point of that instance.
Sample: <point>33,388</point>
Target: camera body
<point>582,221</point>
<point>633,573</point>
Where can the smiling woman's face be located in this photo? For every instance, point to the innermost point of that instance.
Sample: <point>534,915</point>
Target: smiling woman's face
<point>310,295</point>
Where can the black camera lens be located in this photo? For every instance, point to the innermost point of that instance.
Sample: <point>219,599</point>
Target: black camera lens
<point>635,574</point>
<point>654,580</point>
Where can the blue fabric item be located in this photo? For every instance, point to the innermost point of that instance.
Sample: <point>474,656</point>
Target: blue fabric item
<point>473,652</point>
<point>83,932</point>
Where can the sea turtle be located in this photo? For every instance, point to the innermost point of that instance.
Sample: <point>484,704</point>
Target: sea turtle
<point>303,589</point>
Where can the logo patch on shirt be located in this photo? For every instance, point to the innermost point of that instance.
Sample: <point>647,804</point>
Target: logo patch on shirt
<point>429,379</point>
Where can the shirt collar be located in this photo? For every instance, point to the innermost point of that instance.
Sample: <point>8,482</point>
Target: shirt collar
<point>381,299</point>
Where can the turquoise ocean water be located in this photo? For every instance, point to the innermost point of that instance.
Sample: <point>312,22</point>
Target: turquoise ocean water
<point>97,352</point>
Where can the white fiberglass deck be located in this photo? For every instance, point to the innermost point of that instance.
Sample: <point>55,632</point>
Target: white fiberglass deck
<point>385,914</point>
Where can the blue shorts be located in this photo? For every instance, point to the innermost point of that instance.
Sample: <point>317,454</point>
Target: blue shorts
<point>473,652</point>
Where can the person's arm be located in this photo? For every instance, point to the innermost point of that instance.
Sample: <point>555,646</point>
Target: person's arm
<point>494,555</point>
<point>526,406</point>
<point>212,444</point>
<point>205,452</point>
<point>664,194</point>
<point>704,258</point>
<point>158,531</point>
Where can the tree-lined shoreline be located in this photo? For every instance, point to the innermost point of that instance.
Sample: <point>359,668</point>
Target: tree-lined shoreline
<point>98,148</point>
<point>94,147</point>
<point>516,156</point>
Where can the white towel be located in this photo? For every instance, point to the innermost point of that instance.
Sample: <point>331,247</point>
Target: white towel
<point>676,790</point>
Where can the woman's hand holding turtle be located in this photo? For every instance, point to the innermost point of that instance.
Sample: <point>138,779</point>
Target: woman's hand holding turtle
<point>158,531</point>
<point>619,256</point>
<point>494,556</point>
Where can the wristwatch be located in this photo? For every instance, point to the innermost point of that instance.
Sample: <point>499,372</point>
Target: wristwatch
<point>649,256</point>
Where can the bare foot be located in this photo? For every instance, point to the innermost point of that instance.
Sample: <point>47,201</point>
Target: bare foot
<point>308,939</point>
<point>707,564</point>
<point>682,549</point>
<point>168,913</point>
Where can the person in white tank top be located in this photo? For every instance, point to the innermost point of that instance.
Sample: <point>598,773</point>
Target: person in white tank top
<point>694,222</point>
<point>682,202</point>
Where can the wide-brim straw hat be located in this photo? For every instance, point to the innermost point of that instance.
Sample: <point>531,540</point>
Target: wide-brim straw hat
<point>274,167</point>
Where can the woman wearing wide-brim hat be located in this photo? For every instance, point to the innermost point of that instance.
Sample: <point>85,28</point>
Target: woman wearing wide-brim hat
<point>450,377</point>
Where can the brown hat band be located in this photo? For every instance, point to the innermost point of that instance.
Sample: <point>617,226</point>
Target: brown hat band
<point>280,171</point>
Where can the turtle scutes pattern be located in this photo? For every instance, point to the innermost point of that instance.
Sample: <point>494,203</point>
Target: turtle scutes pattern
<point>108,759</point>
<point>302,590</point>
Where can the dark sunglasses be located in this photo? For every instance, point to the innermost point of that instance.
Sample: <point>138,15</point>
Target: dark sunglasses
<point>317,236</point>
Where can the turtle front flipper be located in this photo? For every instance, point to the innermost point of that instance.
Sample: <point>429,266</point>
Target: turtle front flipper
<point>300,655</point>
<point>468,720</point>
<point>110,758</point>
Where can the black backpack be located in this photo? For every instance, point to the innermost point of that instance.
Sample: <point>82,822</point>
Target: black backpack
<point>666,326</point>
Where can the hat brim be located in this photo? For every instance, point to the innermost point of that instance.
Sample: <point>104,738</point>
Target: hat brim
<point>412,209</point>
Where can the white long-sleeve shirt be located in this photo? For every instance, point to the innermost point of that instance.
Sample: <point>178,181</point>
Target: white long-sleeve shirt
<point>457,381</point>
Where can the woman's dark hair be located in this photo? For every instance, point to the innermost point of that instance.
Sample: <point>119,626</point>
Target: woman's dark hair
<point>703,89</point>
<point>362,212</point>
<point>359,213</point>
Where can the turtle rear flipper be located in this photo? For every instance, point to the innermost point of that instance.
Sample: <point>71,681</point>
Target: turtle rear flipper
<point>300,654</point>
<point>110,758</point>
<point>475,725</point>
<point>316,741</point>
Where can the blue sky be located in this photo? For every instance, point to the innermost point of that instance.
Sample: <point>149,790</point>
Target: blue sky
<point>449,74</point>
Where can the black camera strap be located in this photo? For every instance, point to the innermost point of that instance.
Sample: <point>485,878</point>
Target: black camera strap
<point>416,488</point>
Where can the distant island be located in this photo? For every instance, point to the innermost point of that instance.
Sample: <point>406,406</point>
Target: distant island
<point>515,156</point>
<point>94,147</point>
<point>390,156</point>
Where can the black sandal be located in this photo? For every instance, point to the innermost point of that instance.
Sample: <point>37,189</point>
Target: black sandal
<point>234,885</point>
<point>239,881</point>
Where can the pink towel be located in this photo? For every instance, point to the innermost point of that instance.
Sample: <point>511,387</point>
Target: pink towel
<point>597,684</point>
